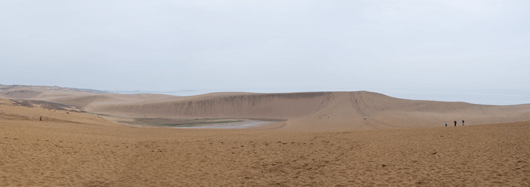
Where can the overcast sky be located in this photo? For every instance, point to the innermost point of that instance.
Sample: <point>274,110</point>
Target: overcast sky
<point>409,49</point>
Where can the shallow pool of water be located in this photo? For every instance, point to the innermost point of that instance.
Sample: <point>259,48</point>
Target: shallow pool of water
<point>233,125</point>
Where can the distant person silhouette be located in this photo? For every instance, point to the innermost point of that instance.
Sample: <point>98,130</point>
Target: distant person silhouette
<point>455,123</point>
<point>462,122</point>
<point>446,124</point>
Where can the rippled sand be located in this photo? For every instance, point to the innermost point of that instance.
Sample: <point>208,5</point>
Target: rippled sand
<point>84,150</point>
<point>324,142</point>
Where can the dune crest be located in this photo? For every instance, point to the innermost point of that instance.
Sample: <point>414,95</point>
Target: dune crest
<point>326,110</point>
<point>289,105</point>
<point>303,111</point>
<point>45,143</point>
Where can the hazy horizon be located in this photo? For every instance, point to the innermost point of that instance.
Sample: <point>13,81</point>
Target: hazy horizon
<point>485,97</point>
<point>471,51</point>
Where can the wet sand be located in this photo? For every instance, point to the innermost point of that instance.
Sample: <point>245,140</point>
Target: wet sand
<point>246,124</point>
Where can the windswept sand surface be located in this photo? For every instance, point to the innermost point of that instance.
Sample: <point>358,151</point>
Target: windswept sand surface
<point>324,142</point>
<point>84,150</point>
<point>312,111</point>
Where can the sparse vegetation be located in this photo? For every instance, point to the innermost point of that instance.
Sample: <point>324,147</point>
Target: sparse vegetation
<point>45,105</point>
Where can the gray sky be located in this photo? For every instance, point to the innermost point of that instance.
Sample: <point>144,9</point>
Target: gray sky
<point>409,49</point>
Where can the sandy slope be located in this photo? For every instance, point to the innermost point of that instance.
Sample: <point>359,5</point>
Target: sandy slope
<point>346,112</point>
<point>310,149</point>
<point>230,106</point>
<point>314,111</point>
<point>78,149</point>
<point>324,110</point>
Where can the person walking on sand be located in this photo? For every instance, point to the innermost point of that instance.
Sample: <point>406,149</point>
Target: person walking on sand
<point>462,122</point>
<point>445,123</point>
<point>455,123</point>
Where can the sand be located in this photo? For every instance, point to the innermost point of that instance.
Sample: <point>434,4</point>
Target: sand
<point>312,111</point>
<point>310,149</point>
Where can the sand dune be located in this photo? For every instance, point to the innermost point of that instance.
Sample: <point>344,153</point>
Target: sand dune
<point>231,106</point>
<point>79,149</point>
<point>312,111</point>
<point>325,110</point>
<point>347,112</point>
<point>21,94</point>
<point>324,142</point>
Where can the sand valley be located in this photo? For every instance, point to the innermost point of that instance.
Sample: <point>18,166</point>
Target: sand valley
<point>310,139</point>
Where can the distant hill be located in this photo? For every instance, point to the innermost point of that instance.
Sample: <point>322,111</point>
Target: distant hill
<point>303,111</point>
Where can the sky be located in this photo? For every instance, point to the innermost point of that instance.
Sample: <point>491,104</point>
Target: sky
<point>472,51</point>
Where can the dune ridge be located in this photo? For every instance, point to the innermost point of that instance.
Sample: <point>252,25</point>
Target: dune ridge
<point>303,111</point>
<point>69,148</point>
<point>78,149</point>
<point>289,105</point>
<point>327,110</point>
